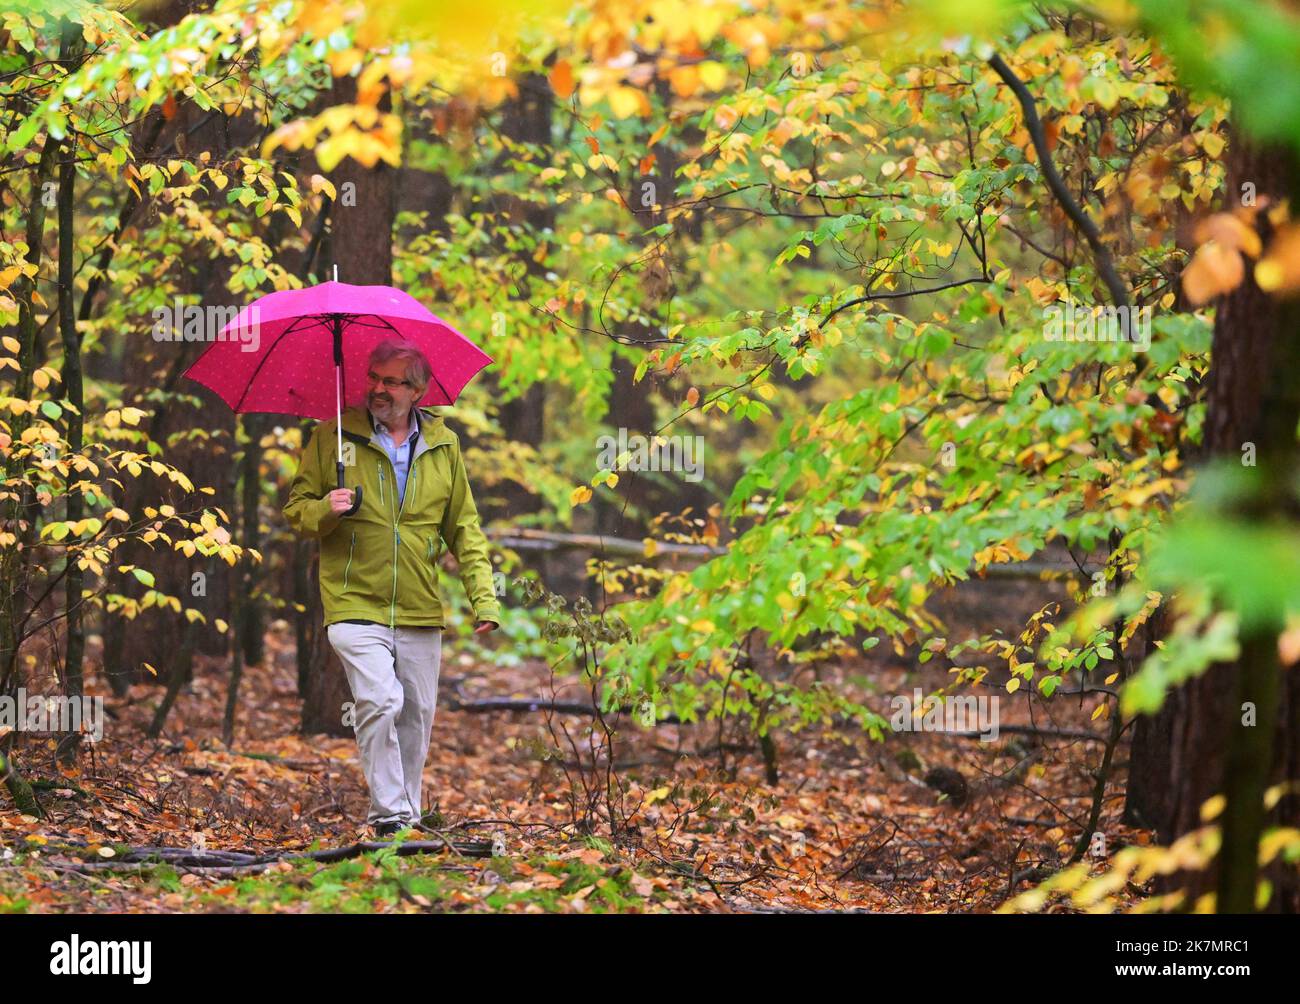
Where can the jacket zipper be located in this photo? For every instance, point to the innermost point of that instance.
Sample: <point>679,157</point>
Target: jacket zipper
<point>349,564</point>
<point>397,538</point>
<point>392,607</point>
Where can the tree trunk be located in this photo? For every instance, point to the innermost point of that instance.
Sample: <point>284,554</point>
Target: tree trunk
<point>74,650</point>
<point>363,212</point>
<point>1253,397</point>
<point>16,512</point>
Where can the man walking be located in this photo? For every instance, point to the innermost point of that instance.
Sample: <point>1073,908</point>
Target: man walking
<point>378,567</point>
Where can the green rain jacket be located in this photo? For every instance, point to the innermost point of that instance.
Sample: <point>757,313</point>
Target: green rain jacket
<point>379,564</point>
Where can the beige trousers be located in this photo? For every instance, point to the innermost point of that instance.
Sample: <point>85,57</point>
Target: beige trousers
<point>393,673</point>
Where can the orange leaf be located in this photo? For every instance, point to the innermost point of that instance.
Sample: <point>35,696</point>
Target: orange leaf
<point>1214,269</point>
<point>1051,133</point>
<point>562,79</point>
<point>1229,230</point>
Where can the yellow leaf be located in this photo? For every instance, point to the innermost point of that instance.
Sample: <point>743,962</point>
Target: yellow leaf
<point>1268,276</point>
<point>713,74</point>
<point>1279,270</point>
<point>319,183</point>
<point>580,495</point>
<point>1013,685</point>
<point>625,101</point>
<point>1212,143</point>
<point>1106,93</point>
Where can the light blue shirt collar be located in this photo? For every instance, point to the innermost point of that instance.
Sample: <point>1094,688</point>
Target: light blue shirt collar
<point>413,421</point>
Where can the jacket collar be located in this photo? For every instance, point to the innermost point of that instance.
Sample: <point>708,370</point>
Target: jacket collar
<point>357,424</point>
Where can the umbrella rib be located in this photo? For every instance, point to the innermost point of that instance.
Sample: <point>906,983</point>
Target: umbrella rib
<point>269,352</point>
<point>348,319</point>
<point>384,324</point>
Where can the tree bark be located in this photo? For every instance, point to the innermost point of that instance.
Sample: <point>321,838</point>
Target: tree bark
<point>1253,397</point>
<point>527,118</point>
<point>74,650</point>
<point>363,211</point>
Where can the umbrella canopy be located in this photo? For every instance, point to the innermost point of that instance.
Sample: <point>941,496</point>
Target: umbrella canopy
<point>292,369</point>
<point>305,352</point>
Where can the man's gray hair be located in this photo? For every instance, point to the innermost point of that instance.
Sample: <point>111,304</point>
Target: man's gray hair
<point>418,370</point>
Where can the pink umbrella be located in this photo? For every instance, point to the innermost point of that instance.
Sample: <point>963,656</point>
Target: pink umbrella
<point>297,335</point>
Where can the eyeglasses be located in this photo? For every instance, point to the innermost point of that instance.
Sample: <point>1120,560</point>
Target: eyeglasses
<point>390,383</point>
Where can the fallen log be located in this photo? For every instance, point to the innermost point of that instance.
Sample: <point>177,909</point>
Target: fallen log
<point>232,862</point>
<point>532,704</point>
<point>521,539</point>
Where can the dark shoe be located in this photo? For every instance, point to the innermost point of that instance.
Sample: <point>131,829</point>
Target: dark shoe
<point>389,828</point>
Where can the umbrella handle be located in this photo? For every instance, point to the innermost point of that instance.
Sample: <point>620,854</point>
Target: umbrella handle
<point>356,493</point>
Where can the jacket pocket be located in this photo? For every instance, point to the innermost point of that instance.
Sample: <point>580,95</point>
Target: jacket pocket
<point>349,568</point>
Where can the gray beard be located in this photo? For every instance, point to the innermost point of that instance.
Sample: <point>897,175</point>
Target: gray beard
<point>386,412</point>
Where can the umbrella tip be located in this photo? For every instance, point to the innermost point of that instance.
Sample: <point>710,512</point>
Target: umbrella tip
<point>336,273</point>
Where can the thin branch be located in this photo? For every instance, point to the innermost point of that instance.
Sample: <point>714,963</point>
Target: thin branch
<point>1105,263</point>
